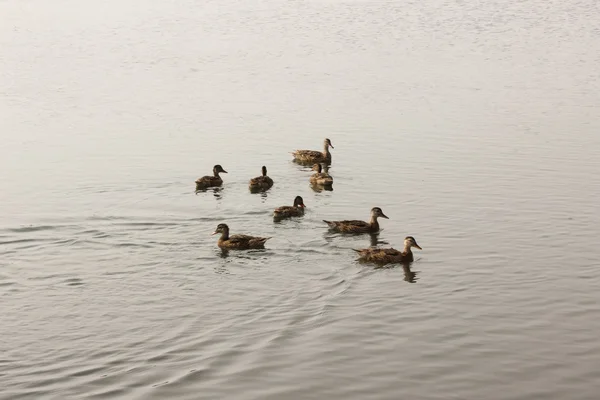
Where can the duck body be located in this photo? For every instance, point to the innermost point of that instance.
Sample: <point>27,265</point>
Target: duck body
<point>211,181</point>
<point>320,178</point>
<point>261,182</point>
<point>242,242</point>
<point>297,210</point>
<point>356,226</point>
<point>313,156</point>
<point>352,226</point>
<point>390,255</point>
<point>238,242</point>
<point>385,256</point>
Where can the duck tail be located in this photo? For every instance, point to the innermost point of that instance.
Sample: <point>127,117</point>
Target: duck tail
<point>329,223</point>
<point>358,251</point>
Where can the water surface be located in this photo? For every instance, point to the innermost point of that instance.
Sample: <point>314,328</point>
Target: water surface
<point>473,126</point>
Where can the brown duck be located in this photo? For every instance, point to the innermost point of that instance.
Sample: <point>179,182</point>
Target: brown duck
<point>313,156</point>
<point>297,210</point>
<point>261,182</point>
<point>320,178</point>
<point>238,242</point>
<point>355,226</point>
<point>389,256</point>
<point>211,181</point>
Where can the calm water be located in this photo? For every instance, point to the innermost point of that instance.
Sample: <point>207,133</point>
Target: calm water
<point>474,126</point>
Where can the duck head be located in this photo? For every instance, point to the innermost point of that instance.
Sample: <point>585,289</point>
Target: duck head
<point>217,169</point>
<point>410,241</point>
<point>376,212</point>
<point>299,202</point>
<point>221,228</point>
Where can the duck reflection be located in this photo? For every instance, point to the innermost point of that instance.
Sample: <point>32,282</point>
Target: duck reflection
<point>261,191</point>
<point>224,253</point>
<point>409,275</point>
<point>263,196</point>
<point>321,188</point>
<point>374,240</point>
<point>217,191</point>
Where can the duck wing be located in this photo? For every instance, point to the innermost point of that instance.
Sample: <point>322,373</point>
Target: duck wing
<point>288,211</point>
<point>349,226</point>
<point>203,179</point>
<point>307,154</point>
<point>240,238</point>
<point>208,181</point>
<point>247,240</point>
<point>262,181</point>
<point>353,222</point>
<point>380,255</point>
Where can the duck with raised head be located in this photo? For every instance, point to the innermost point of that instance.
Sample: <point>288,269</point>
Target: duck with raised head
<point>297,210</point>
<point>238,242</point>
<point>354,226</point>
<point>211,181</point>
<point>320,178</point>
<point>313,156</point>
<point>261,182</point>
<point>391,255</point>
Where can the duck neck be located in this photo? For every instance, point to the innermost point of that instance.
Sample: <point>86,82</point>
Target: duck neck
<point>326,149</point>
<point>216,173</point>
<point>224,235</point>
<point>374,223</point>
<point>407,249</point>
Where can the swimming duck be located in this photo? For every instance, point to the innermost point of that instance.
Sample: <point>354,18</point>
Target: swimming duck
<point>239,242</point>
<point>261,182</point>
<point>358,226</point>
<point>211,181</point>
<point>388,256</point>
<point>320,178</point>
<point>297,210</point>
<point>313,156</point>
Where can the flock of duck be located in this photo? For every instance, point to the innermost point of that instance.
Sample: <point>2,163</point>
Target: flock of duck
<point>320,178</point>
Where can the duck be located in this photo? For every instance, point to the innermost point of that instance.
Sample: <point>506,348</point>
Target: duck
<point>297,210</point>
<point>355,226</point>
<point>313,156</point>
<point>238,242</point>
<point>211,181</point>
<point>320,178</point>
<point>391,255</point>
<point>261,182</point>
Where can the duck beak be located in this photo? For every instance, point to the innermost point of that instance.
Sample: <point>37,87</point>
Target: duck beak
<point>302,205</point>
<point>417,246</point>
<point>384,216</point>
<point>214,233</point>
<point>225,172</point>
<point>330,145</point>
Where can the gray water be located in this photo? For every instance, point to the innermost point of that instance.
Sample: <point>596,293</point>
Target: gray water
<point>475,126</point>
